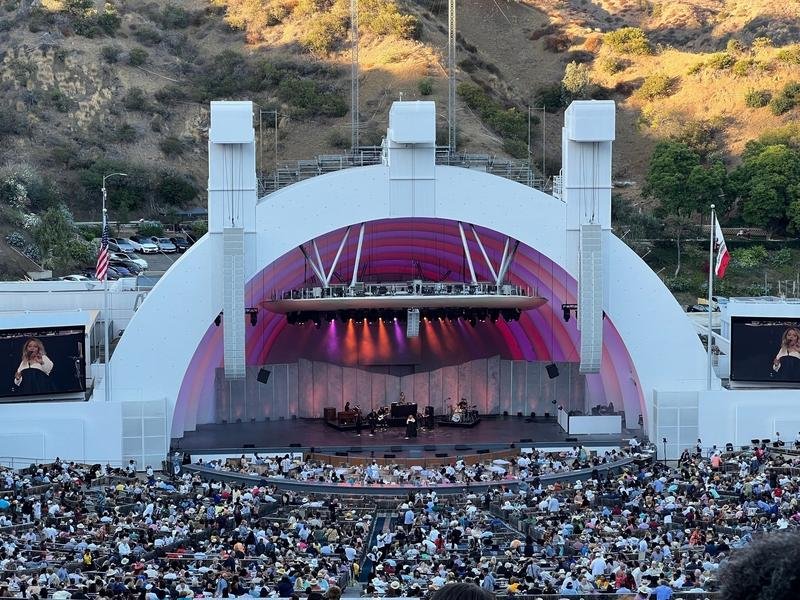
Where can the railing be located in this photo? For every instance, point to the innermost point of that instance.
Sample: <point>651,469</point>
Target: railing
<point>415,288</point>
<point>21,462</point>
<point>300,170</point>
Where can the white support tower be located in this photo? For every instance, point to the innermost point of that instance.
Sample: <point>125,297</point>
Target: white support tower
<point>354,92</point>
<point>588,134</point>
<point>411,158</point>
<point>232,195</point>
<point>451,75</point>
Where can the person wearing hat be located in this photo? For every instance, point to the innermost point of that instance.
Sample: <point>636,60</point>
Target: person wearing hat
<point>643,593</point>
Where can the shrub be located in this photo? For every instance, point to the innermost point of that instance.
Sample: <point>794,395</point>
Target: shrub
<point>324,33</point>
<point>125,133</point>
<point>135,99</point>
<point>720,61</point>
<point>170,95</point>
<point>550,98</point>
<point>655,86</point>
<point>576,80</point>
<point>338,139</point>
<point>137,57</point>
<point>172,146</point>
<point>743,66</point>
<point>468,65</point>
<point>110,54</point>
<point>174,17</point>
<point>425,86</point>
<point>782,257</point>
<point>147,36</point>
<point>679,284</point>
<point>762,42</point>
<point>174,189</point>
<point>789,55</point>
<point>383,17</point>
<point>307,98</point>
<point>786,100</point>
<point>734,46</point>
<point>59,100</point>
<point>696,68</point>
<point>510,123</point>
<point>757,98</point>
<point>611,65</point>
<point>749,258</point>
<point>628,40</point>
<point>150,229</point>
<point>516,148</point>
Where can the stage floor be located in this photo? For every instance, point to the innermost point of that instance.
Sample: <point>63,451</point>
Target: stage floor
<point>490,433</point>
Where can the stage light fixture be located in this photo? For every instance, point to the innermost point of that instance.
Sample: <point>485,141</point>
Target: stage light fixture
<point>567,310</point>
<point>218,320</point>
<point>254,317</point>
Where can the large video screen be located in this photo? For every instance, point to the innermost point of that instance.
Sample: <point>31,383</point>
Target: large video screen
<point>35,362</point>
<point>765,350</point>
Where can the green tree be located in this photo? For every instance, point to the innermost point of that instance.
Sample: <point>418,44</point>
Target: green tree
<point>683,186</point>
<point>576,81</point>
<point>768,184</point>
<point>59,241</point>
<point>175,190</point>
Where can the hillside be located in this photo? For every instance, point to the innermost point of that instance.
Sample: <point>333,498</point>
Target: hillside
<point>126,87</point>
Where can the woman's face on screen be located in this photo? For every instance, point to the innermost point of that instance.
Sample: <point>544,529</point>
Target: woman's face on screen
<point>791,337</point>
<point>32,348</point>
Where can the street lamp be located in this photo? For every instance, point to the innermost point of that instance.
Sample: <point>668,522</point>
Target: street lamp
<point>106,345</point>
<point>664,441</point>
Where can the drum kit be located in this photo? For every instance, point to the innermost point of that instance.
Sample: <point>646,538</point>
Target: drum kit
<point>464,413</point>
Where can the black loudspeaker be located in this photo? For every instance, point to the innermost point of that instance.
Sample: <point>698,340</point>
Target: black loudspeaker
<point>428,411</point>
<point>552,370</point>
<point>571,439</point>
<point>296,445</point>
<point>389,456</point>
<point>441,455</point>
<point>341,454</point>
<point>263,376</point>
<point>483,451</point>
<point>249,446</point>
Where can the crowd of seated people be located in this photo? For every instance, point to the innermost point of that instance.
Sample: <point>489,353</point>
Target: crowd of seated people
<point>79,531</point>
<point>525,466</point>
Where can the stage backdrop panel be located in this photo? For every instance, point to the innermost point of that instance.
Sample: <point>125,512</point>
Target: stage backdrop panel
<point>304,389</point>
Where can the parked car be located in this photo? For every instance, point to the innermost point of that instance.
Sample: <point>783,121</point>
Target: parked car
<point>181,244</point>
<point>131,266</point>
<point>164,245</point>
<point>137,247</point>
<point>112,274</point>
<point>146,244</point>
<point>123,244</point>
<point>75,278</point>
<point>121,269</point>
<point>123,256</point>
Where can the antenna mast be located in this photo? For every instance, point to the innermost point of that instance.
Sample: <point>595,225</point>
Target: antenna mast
<point>354,119</point>
<point>451,74</point>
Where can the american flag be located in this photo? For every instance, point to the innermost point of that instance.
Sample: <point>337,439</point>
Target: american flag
<point>101,270</point>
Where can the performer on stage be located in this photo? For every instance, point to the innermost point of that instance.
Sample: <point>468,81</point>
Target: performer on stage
<point>372,421</point>
<point>411,427</point>
<point>346,407</point>
<point>359,423</point>
<point>402,399</point>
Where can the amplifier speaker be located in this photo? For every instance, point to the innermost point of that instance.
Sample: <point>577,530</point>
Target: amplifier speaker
<point>388,456</point>
<point>552,370</point>
<point>483,451</point>
<point>442,455</point>
<point>263,376</point>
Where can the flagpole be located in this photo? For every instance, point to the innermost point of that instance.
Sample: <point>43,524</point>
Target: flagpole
<point>710,288</point>
<point>106,347</point>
